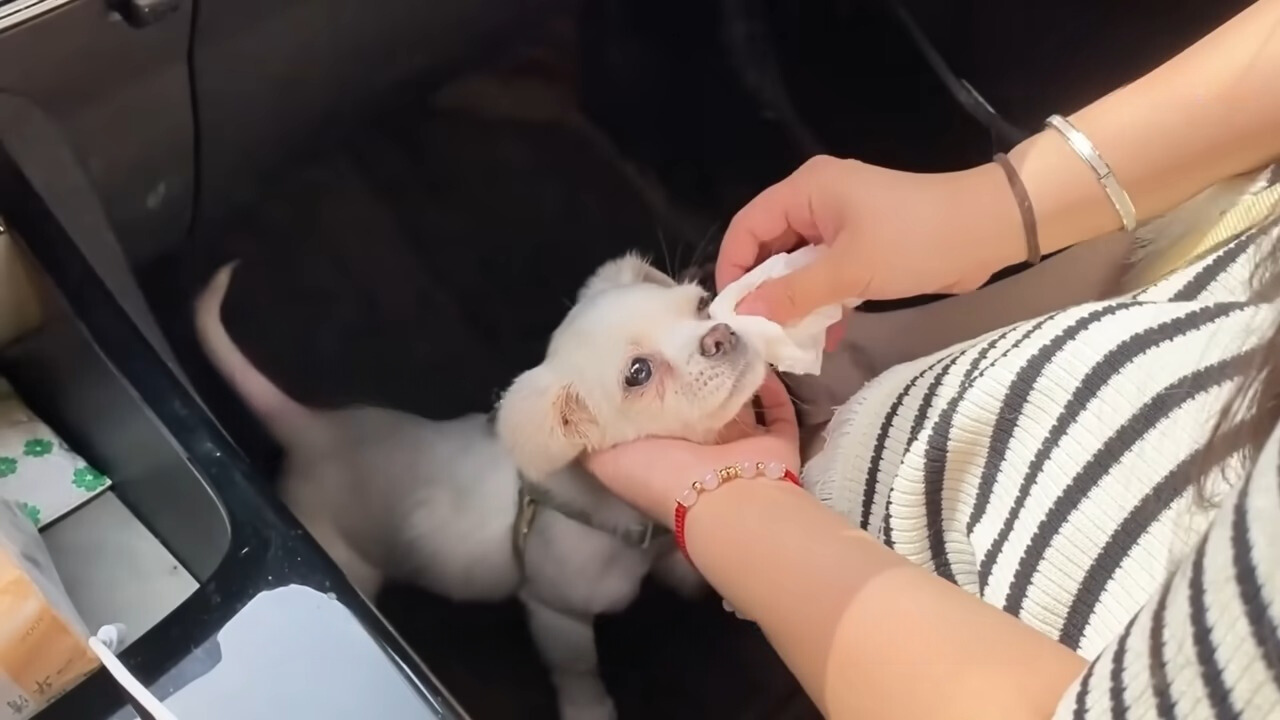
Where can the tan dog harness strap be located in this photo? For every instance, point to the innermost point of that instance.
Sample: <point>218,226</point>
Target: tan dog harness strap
<point>533,497</point>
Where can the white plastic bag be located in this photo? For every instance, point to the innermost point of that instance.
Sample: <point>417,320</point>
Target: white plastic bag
<point>44,645</point>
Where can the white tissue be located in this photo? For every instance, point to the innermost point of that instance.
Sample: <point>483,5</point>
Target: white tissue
<point>796,348</point>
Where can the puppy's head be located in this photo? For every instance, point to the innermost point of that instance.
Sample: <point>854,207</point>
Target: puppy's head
<point>636,357</point>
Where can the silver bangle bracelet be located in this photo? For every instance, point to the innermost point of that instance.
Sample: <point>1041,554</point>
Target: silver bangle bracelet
<point>1087,152</point>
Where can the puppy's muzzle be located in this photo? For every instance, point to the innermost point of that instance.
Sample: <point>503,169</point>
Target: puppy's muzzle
<point>719,340</point>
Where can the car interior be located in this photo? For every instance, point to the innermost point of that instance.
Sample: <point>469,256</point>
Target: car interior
<point>415,192</point>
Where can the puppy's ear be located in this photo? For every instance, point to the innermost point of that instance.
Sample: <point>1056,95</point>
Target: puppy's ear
<point>544,422</point>
<point>630,269</point>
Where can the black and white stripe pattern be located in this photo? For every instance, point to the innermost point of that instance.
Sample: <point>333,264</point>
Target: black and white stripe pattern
<point>1047,468</point>
<point>1207,645</point>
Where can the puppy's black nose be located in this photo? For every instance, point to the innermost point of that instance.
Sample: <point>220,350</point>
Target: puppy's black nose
<point>719,339</point>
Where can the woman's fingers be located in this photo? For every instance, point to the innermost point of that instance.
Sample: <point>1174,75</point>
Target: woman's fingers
<point>779,413</point>
<point>606,463</point>
<point>651,473</point>
<point>780,218</point>
<point>834,334</point>
<point>742,426</point>
<point>777,220</point>
<point>789,298</point>
<point>743,249</point>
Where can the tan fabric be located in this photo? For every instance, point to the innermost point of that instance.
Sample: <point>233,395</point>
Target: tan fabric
<point>1247,213</point>
<point>19,307</point>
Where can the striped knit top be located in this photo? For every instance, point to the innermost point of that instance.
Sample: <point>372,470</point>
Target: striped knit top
<point>1047,467</point>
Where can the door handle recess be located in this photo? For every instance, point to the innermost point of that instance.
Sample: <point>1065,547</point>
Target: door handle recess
<point>145,13</point>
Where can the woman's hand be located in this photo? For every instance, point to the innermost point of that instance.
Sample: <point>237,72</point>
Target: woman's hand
<point>891,234</point>
<point>650,474</point>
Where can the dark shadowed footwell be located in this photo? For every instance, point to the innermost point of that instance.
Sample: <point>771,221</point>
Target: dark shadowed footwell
<point>421,265</point>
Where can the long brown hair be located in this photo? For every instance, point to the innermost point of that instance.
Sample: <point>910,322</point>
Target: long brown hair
<point>1253,410</point>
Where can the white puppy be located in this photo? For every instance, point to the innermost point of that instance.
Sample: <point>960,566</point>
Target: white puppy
<point>486,507</point>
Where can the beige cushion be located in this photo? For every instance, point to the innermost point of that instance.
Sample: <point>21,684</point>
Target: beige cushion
<point>19,308</point>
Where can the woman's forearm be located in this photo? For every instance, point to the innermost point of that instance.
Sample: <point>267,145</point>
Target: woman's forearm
<point>862,628</point>
<point>1210,113</point>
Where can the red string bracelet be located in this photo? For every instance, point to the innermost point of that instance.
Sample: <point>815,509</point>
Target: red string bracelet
<point>714,479</point>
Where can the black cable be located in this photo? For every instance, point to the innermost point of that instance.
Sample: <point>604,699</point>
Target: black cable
<point>197,124</point>
<point>1001,130</point>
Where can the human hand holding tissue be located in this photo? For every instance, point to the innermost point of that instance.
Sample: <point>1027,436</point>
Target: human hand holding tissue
<point>889,234</point>
<point>797,346</point>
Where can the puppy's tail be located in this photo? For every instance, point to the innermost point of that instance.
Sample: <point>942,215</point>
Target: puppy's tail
<point>284,418</point>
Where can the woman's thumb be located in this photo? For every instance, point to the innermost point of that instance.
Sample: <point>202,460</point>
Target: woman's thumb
<point>791,297</point>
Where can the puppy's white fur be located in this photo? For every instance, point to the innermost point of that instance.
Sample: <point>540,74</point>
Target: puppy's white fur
<point>393,496</point>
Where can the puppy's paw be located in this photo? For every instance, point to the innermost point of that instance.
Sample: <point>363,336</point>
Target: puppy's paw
<point>583,709</point>
<point>583,696</point>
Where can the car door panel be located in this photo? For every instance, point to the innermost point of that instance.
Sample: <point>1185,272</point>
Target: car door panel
<point>273,76</point>
<point>120,96</point>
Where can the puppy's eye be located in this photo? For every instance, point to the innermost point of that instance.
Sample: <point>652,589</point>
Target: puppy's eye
<point>704,302</point>
<point>639,372</point>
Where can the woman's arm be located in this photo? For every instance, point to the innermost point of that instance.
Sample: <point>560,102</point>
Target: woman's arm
<point>868,633</point>
<point>1208,114</point>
